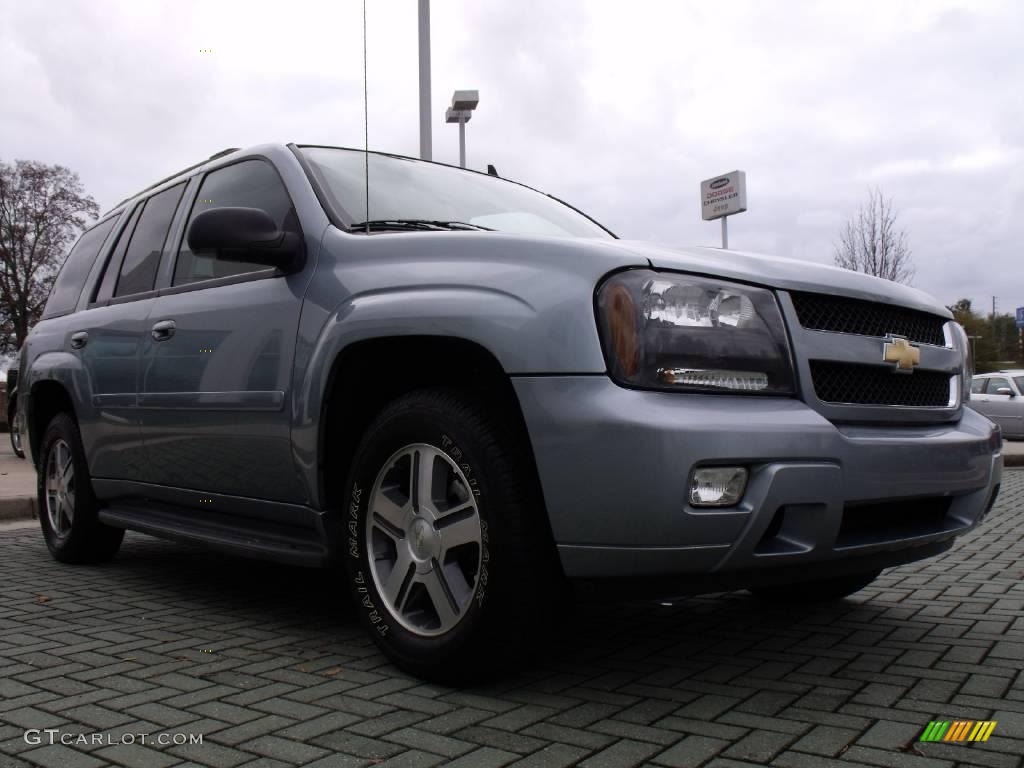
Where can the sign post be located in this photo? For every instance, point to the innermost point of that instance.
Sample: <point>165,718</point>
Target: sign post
<point>721,197</point>
<point>1020,332</point>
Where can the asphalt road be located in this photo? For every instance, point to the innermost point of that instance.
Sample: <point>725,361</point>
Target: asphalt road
<point>268,664</point>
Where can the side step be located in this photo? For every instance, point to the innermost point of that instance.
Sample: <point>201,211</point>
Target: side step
<point>241,536</point>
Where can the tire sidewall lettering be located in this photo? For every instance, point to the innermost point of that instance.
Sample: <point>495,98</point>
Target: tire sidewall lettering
<point>367,598</point>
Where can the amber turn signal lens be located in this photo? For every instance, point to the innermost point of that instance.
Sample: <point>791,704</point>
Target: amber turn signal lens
<point>622,324</point>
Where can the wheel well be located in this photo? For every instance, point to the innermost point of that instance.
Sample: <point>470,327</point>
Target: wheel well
<point>48,399</point>
<point>369,374</point>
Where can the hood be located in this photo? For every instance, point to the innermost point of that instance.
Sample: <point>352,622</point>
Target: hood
<point>786,274</point>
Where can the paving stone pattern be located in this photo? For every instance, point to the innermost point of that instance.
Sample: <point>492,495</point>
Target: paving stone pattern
<point>269,664</point>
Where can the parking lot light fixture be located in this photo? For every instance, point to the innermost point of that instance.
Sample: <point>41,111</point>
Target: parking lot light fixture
<point>461,110</point>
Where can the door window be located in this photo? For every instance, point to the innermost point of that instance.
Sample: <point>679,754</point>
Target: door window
<point>977,386</point>
<point>142,256</point>
<point>248,184</point>
<point>995,384</point>
<point>69,283</point>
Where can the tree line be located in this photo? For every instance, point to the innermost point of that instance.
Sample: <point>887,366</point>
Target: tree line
<point>994,338</point>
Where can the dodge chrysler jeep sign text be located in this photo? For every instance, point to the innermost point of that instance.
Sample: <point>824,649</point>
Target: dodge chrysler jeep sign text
<point>723,195</point>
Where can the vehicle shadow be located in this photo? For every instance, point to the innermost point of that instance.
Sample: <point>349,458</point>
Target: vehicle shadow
<point>711,638</point>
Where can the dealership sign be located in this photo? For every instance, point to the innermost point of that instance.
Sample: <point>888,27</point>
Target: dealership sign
<point>1020,317</point>
<point>723,195</point>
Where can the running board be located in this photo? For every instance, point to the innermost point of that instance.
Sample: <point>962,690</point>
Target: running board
<point>228,533</point>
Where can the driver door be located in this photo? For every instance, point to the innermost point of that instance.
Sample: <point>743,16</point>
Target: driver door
<point>216,373</point>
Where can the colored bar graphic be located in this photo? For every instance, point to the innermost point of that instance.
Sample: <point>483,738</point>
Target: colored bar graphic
<point>935,731</point>
<point>958,730</point>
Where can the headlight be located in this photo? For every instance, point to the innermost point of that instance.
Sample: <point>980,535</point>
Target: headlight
<point>677,332</point>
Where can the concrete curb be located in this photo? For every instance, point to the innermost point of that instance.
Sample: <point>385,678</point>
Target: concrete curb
<point>1013,460</point>
<point>18,508</point>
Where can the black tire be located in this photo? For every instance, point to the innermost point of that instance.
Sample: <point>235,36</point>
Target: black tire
<point>517,582</point>
<point>83,538</point>
<point>12,428</point>
<point>818,591</point>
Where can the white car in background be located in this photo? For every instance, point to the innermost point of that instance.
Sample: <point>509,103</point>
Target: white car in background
<point>1000,397</point>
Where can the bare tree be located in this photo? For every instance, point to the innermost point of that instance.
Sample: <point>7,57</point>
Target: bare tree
<point>42,210</point>
<point>871,242</point>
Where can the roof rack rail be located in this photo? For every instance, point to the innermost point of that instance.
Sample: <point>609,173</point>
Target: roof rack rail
<point>214,156</point>
<point>223,152</point>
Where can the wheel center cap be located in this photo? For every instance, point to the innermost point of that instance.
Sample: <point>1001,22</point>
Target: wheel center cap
<point>422,539</point>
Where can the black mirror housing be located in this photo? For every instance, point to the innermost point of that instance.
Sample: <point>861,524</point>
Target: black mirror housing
<point>245,234</point>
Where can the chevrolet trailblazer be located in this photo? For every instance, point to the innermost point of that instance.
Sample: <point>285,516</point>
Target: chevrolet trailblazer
<point>468,393</point>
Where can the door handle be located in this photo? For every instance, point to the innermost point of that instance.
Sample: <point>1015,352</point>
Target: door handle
<point>163,330</point>
<point>79,339</point>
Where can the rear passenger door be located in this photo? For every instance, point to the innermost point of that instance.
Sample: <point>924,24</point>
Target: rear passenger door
<point>217,370</point>
<point>110,333</point>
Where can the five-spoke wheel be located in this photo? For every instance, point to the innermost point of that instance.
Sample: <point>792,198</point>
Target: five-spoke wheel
<point>423,532</point>
<point>68,510</point>
<point>60,488</point>
<point>450,563</point>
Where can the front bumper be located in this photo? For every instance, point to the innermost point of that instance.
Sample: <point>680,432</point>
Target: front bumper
<point>614,465</point>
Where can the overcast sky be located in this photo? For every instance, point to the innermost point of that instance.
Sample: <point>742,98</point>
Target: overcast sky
<point>619,107</point>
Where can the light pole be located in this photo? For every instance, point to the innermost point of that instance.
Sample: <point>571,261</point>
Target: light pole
<point>463,104</point>
<point>426,149</point>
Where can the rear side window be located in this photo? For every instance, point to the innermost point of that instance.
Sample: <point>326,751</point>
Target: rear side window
<point>69,283</point>
<point>248,184</point>
<point>142,257</point>
<point>977,386</point>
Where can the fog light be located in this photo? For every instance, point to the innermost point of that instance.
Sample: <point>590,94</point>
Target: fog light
<point>717,486</point>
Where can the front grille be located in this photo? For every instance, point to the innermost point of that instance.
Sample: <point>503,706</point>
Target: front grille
<point>846,383</point>
<point>819,312</point>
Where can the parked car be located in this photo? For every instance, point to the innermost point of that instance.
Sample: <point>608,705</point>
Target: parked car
<point>13,428</point>
<point>999,397</point>
<point>469,392</point>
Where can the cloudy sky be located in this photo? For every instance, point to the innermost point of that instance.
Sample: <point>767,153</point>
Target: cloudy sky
<point>620,108</point>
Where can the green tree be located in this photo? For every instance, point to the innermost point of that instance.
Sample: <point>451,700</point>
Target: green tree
<point>994,340</point>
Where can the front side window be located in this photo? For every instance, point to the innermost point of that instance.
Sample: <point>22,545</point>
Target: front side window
<point>142,257</point>
<point>995,384</point>
<point>406,190</point>
<point>69,283</point>
<point>248,184</point>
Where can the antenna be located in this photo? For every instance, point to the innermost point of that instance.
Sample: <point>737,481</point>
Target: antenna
<point>366,124</point>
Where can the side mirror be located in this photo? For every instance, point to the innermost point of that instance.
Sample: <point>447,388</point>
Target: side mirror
<point>245,234</point>
<point>1005,391</point>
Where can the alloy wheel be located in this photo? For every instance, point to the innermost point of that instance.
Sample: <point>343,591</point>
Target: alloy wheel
<point>424,539</point>
<point>60,488</point>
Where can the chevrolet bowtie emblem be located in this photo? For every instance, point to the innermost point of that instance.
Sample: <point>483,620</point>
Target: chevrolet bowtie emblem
<point>901,352</point>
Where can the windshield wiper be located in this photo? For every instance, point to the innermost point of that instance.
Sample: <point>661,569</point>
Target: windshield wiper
<point>419,225</point>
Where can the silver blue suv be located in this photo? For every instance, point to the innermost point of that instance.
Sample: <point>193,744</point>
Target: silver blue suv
<point>470,394</point>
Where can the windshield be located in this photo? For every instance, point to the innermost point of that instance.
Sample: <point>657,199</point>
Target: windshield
<point>1019,381</point>
<point>403,189</point>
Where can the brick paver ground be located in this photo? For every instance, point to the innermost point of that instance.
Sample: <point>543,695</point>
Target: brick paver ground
<point>269,665</point>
